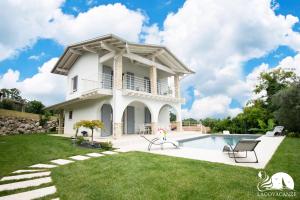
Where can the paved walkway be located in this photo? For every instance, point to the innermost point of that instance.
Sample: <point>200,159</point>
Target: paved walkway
<point>36,176</point>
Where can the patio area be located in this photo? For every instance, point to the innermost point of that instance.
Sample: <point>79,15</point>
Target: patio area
<point>265,149</point>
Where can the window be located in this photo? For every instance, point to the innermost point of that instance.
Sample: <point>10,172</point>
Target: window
<point>70,114</point>
<point>74,83</point>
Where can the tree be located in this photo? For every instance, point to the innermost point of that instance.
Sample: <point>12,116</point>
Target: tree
<point>288,103</point>
<point>272,82</point>
<point>93,124</point>
<point>172,117</point>
<point>15,94</point>
<point>35,107</point>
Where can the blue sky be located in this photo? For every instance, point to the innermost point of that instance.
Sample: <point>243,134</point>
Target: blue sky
<point>37,49</point>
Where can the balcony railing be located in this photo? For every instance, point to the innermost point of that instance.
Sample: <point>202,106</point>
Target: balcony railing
<point>163,88</point>
<point>106,82</point>
<point>136,83</point>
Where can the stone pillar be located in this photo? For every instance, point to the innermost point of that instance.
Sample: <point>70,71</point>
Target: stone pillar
<point>60,122</point>
<point>118,129</point>
<point>153,128</point>
<point>177,86</point>
<point>179,126</point>
<point>153,80</point>
<point>118,72</point>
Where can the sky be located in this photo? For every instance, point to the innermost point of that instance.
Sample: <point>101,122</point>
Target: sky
<point>227,43</point>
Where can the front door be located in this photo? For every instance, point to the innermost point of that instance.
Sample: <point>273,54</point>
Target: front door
<point>106,117</point>
<point>130,120</point>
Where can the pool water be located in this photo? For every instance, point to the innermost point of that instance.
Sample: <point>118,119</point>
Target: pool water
<point>214,142</point>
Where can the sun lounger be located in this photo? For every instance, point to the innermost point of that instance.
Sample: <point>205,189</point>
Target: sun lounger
<point>225,132</point>
<point>277,131</point>
<point>243,145</point>
<point>158,141</point>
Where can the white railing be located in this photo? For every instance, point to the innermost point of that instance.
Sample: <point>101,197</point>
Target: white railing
<point>136,83</point>
<point>105,82</point>
<point>163,88</point>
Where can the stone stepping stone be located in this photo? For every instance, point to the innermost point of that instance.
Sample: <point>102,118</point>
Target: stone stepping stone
<point>45,166</point>
<point>24,176</point>
<point>61,161</point>
<point>25,184</point>
<point>79,157</point>
<point>109,152</point>
<point>95,155</point>
<point>122,150</point>
<point>33,194</point>
<point>26,170</point>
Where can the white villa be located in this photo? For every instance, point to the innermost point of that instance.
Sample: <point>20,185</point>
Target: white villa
<point>130,87</point>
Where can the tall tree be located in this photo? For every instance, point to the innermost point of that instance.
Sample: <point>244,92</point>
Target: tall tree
<point>272,82</point>
<point>35,107</point>
<point>288,103</point>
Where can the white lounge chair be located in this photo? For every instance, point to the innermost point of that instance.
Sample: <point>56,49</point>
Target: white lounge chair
<point>160,142</point>
<point>277,130</point>
<point>225,132</point>
<point>243,145</point>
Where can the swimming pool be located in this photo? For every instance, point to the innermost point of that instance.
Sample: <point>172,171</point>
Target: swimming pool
<point>214,142</point>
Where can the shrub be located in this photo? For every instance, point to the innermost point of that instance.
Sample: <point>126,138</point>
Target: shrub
<point>106,145</point>
<point>80,140</point>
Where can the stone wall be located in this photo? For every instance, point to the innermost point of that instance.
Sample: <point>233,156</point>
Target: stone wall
<point>17,125</point>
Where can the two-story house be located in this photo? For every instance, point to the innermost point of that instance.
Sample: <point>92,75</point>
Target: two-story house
<point>130,87</point>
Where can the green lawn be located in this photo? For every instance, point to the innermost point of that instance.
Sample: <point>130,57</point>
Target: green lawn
<point>20,151</point>
<point>146,176</point>
<point>138,175</point>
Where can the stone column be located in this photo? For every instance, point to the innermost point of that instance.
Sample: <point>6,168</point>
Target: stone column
<point>118,72</point>
<point>118,129</point>
<point>179,126</point>
<point>153,128</point>
<point>117,95</point>
<point>60,122</point>
<point>177,86</point>
<point>153,80</point>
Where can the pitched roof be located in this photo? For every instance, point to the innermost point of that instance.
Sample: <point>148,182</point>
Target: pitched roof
<point>112,42</point>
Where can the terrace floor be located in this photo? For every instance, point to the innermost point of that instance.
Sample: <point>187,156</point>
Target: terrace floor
<point>265,149</point>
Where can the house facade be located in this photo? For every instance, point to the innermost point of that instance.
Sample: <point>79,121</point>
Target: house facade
<point>131,87</point>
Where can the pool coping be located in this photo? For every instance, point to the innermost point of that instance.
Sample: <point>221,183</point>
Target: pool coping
<point>218,135</point>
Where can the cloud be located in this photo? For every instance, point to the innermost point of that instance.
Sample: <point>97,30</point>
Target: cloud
<point>211,106</point>
<point>44,86</point>
<point>215,38</point>
<point>36,57</point>
<point>23,23</point>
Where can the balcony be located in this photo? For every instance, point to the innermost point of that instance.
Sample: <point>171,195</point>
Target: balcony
<point>138,86</point>
<point>95,89</point>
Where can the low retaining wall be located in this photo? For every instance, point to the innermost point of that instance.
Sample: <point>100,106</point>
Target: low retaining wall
<point>19,125</point>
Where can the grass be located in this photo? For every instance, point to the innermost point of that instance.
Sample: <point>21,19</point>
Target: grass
<point>138,175</point>
<point>20,151</point>
<point>14,113</point>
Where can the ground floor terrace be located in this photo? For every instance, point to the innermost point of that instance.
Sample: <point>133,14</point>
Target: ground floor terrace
<point>264,150</point>
<point>129,116</point>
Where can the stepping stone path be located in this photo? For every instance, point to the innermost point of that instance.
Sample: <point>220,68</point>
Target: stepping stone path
<point>33,194</point>
<point>95,155</point>
<point>38,175</point>
<point>79,157</point>
<point>24,176</point>
<point>27,170</point>
<point>25,184</point>
<point>43,166</point>
<point>61,161</point>
<point>109,152</point>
